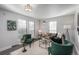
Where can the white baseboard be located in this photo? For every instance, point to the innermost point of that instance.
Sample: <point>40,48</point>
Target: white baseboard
<point>2,49</point>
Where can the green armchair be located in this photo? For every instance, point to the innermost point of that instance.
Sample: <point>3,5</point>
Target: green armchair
<point>59,49</point>
<point>26,40</point>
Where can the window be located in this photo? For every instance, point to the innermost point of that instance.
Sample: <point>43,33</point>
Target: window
<point>31,28</point>
<point>31,25</point>
<point>52,27</point>
<point>22,26</point>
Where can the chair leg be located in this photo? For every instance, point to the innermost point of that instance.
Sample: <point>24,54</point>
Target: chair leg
<point>48,53</point>
<point>24,49</point>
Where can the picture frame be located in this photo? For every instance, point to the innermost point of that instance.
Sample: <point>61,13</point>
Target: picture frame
<point>11,25</point>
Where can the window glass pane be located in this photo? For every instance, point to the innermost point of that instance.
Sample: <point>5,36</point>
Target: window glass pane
<point>52,26</point>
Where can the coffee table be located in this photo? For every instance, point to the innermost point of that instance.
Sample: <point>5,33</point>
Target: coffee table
<point>44,43</point>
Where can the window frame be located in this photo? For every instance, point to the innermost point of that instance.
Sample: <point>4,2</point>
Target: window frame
<point>51,30</point>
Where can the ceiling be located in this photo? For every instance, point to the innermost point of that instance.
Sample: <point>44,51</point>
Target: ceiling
<point>42,11</point>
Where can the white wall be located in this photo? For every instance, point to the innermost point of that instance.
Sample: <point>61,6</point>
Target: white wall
<point>61,21</point>
<point>9,38</point>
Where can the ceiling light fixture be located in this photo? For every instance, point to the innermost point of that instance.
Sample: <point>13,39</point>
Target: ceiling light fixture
<point>28,7</point>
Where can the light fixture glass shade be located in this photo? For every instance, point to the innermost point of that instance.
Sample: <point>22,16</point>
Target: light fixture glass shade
<point>28,7</point>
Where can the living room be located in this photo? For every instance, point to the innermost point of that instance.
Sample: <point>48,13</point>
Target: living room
<point>41,21</point>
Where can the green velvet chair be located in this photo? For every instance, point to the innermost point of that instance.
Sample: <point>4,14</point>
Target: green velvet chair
<point>59,49</point>
<point>26,40</point>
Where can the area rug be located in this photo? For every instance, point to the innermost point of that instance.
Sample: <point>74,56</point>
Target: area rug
<point>34,50</point>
